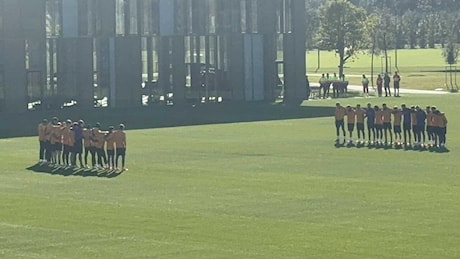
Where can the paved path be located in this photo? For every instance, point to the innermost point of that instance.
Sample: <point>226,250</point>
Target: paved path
<point>401,90</point>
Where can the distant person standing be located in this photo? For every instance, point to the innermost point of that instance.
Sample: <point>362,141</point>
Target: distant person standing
<point>328,83</point>
<point>120,144</point>
<point>379,85</point>
<point>396,80</point>
<point>344,87</point>
<point>335,86</point>
<point>322,85</point>
<point>307,87</point>
<point>365,83</point>
<point>42,140</point>
<point>386,84</point>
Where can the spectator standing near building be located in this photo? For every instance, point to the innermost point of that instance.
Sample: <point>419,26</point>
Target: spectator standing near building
<point>396,80</point>
<point>365,83</point>
<point>322,85</point>
<point>379,85</point>
<point>386,83</point>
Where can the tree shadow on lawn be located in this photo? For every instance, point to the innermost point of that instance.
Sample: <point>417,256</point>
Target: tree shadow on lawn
<point>74,171</point>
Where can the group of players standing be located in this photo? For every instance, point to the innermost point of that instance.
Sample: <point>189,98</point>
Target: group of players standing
<point>413,121</point>
<point>339,85</point>
<point>61,143</point>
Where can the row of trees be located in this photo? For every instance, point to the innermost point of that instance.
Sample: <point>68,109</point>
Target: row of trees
<point>348,26</point>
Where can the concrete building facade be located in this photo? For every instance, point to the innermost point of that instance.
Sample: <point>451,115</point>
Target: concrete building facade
<point>128,53</point>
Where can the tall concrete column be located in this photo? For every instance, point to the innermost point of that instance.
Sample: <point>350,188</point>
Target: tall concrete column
<point>236,66</point>
<point>128,71</point>
<point>267,25</point>
<point>15,76</point>
<point>294,55</point>
<point>179,68</point>
<point>24,22</point>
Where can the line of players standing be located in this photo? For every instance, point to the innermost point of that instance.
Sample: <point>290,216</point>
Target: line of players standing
<point>412,121</point>
<point>62,143</point>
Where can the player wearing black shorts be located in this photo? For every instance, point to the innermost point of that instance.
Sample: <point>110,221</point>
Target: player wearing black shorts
<point>360,114</point>
<point>386,114</point>
<point>351,119</point>
<point>429,126</point>
<point>406,116</point>
<point>378,125</point>
<point>340,113</point>
<point>397,118</point>
<point>370,115</point>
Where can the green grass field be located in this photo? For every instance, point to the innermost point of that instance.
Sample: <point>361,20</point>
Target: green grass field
<point>262,189</point>
<point>419,68</point>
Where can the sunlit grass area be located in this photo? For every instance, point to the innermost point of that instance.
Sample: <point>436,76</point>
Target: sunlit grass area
<point>275,187</point>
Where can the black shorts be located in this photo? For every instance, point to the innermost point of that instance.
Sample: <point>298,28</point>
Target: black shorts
<point>378,126</point>
<point>415,128</point>
<point>110,152</point>
<point>67,148</point>
<point>386,125</point>
<point>396,85</point>
<point>121,151</point>
<point>397,129</point>
<point>339,123</point>
<point>370,125</point>
<point>406,127</point>
<point>360,126</point>
<point>351,127</point>
<point>77,148</point>
<point>48,146</point>
<point>57,147</point>
<point>429,129</point>
<point>441,130</point>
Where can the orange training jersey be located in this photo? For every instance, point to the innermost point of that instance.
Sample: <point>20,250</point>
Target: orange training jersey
<point>360,114</point>
<point>351,116</point>
<point>413,118</point>
<point>397,117</point>
<point>429,118</point>
<point>68,136</point>
<point>340,113</point>
<point>42,132</point>
<point>87,137</point>
<point>443,120</point>
<point>386,114</point>
<point>110,140</point>
<point>55,134</point>
<point>120,139</point>
<point>48,131</point>
<point>379,117</point>
<point>99,138</point>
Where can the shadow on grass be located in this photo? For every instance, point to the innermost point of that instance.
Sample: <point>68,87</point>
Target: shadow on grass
<point>166,116</point>
<point>68,171</point>
<point>393,147</point>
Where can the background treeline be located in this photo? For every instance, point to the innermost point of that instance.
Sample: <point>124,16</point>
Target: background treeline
<point>393,23</point>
